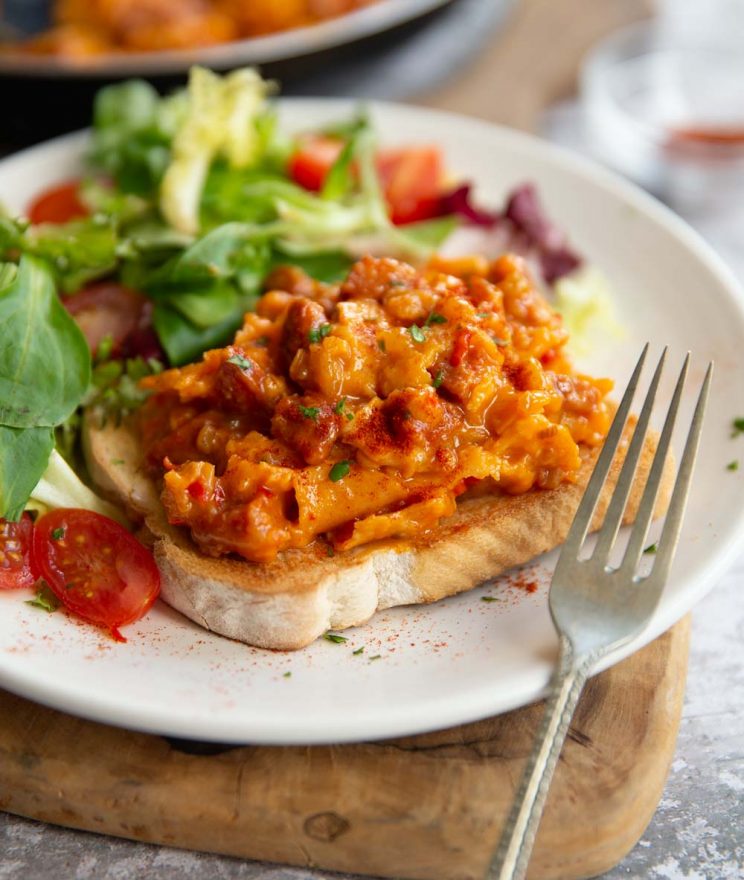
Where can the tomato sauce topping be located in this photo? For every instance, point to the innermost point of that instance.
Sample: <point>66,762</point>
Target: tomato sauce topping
<point>361,411</point>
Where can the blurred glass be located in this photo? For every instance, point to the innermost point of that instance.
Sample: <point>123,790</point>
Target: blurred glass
<point>664,104</point>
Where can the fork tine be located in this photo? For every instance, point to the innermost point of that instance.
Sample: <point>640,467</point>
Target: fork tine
<point>648,499</point>
<point>673,524</point>
<point>585,512</point>
<point>614,515</point>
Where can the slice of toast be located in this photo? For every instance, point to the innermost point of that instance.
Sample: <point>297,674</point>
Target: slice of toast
<point>286,604</point>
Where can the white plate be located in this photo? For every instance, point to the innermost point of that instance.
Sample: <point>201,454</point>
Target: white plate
<point>461,659</point>
<point>294,43</point>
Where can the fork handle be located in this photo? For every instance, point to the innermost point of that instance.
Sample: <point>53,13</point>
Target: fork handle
<point>518,835</point>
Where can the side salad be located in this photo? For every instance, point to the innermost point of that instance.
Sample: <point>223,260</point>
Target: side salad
<point>187,203</point>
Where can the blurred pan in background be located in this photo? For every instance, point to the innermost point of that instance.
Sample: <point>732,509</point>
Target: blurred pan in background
<point>356,53</point>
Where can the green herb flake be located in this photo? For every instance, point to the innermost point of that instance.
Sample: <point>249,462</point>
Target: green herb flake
<point>330,551</point>
<point>737,427</point>
<point>650,549</point>
<point>105,347</point>
<point>438,379</point>
<point>418,334</point>
<point>58,533</point>
<point>319,333</point>
<point>733,465</point>
<point>310,412</point>
<point>381,344</point>
<point>376,657</point>
<point>335,638</point>
<point>117,461</point>
<point>358,651</point>
<point>500,340</point>
<point>339,470</point>
<point>490,599</point>
<point>339,407</point>
<point>287,675</point>
<point>244,363</point>
<point>44,598</point>
<point>435,318</point>
<point>262,341</point>
<point>483,314</point>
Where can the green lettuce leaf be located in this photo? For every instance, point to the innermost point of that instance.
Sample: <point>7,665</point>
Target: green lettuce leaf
<point>183,341</point>
<point>220,120</point>
<point>24,453</point>
<point>132,132</point>
<point>44,358</point>
<point>77,252</point>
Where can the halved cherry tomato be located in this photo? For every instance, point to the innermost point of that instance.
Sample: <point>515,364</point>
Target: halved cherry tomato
<point>95,567</point>
<point>411,177</point>
<point>311,163</point>
<point>58,204</point>
<point>15,553</point>
<point>110,310</point>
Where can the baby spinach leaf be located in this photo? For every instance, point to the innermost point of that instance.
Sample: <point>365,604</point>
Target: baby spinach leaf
<point>339,181</point>
<point>430,233</point>
<point>77,252</point>
<point>183,341</point>
<point>330,266</point>
<point>44,358</point>
<point>132,132</point>
<point>211,305</point>
<point>24,453</point>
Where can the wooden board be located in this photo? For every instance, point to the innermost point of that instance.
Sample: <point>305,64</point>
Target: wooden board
<point>422,807</point>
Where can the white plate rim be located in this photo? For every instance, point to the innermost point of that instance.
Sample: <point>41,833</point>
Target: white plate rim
<point>476,703</point>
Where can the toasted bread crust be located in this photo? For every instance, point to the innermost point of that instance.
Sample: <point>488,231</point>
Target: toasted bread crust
<point>286,604</point>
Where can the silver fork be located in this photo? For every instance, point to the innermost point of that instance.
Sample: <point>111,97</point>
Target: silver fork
<point>594,607</point>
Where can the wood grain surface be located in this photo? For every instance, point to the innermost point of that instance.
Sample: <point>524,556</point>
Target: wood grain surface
<point>423,807</point>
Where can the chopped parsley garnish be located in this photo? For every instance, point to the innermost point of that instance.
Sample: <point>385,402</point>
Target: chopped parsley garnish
<point>287,675</point>
<point>243,362</point>
<point>310,412</point>
<point>376,657</point>
<point>58,533</point>
<point>104,349</point>
<point>435,318</point>
<point>263,341</point>
<point>44,598</point>
<point>335,638</point>
<point>650,549</point>
<point>489,599</point>
<point>318,333</point>
<point>358,651</point>
<point>733,465</point>
<point>117,461</point>
<point>381,344</point>
<point>339,470</point>
<point>438,379</point>
<point>418,334</point>
<point>483,314</point>
<point>737,427</point>
<point>330,551</point>
<point>339,410</point>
